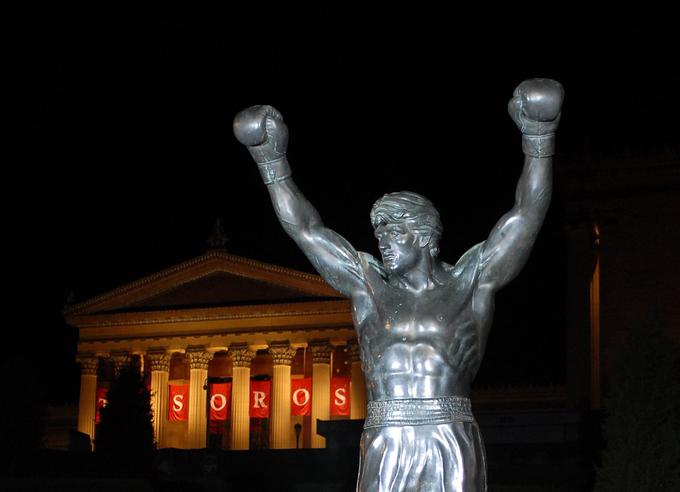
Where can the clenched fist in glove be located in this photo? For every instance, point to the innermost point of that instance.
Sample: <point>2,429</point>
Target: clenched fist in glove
<point>262,130</point>
<point>536,108</point>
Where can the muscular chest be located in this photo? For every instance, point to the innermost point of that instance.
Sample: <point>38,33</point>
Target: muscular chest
<point>397,315</point>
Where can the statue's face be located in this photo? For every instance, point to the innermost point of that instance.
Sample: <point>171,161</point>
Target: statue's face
<point>399,247</point>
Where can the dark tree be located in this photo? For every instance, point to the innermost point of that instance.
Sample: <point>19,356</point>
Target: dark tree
<point>642,422</point>
<point>124,438</point>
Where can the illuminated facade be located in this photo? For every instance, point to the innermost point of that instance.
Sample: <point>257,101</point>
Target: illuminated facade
<point>221,318</point>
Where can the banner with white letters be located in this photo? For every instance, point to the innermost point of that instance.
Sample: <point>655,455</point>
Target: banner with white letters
<point>260,399</point>
<point>340,396</point>
<point>301,396</point>
<point>260,392</point>
<point>220,401</point>
<point>101,403</point>
<point>178,402</point>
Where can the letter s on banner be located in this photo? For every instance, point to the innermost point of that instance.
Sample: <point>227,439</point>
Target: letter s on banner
<point>101,403</point>
<point>220,401</point>
<point>340,397</point>
<point>178,402</point>
<point>259,399</point>
<point>301,396</point>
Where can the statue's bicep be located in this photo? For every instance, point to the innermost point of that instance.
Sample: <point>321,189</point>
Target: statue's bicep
<point>336,261</point>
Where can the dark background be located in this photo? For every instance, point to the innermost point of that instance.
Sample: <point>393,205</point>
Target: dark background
<point>121,154</point>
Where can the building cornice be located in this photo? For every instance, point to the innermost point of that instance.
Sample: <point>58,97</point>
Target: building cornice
<point>261,338</point>
<point>269,312</point>
<point>213,321</point>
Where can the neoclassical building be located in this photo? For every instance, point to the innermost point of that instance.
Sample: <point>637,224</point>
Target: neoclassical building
<point>221,318</point>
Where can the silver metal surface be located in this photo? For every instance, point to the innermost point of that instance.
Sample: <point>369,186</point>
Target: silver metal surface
<point>422,323</point>
<point>418,411</point>
<point>423,458</point>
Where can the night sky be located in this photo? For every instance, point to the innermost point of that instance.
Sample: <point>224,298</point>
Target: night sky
<point>122,157</point>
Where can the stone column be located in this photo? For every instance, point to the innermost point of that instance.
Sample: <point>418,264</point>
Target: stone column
<point>581,258</point>
<point>358,385</point>
<point>282,355</point>
<point>321,388</point>
<point>160,369</point>
<point>88,394</point>
<point>198,377</point>
<point>120,360</point>
<point>595,328</point>
<point>241,357</point>
<point>137,360</point>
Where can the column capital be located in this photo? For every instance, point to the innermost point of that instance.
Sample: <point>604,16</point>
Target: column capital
<point>353,347</point>
<point>88,363</point>
<point>241,355</point>
<point>321,351</point>
<point>198,357</point>
<point>282,353</point>
<point>159,360</point>
<point>120,360</point>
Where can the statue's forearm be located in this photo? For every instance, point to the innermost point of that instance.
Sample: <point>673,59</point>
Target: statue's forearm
<point>296,214</point>
<point>534,188</point>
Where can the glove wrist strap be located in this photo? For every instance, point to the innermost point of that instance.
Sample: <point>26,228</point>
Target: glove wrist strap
<point>539,145</point>
<point>275,170</point>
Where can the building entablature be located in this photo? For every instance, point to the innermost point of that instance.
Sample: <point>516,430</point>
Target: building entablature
<point>214,342</point>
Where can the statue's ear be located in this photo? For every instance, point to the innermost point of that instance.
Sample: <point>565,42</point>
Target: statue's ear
<point>424,240</point>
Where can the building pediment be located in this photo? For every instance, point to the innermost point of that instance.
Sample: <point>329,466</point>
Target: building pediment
<point>215,279</point>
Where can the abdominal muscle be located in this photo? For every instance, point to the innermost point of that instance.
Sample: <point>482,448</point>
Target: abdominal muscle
<point>413,370</point>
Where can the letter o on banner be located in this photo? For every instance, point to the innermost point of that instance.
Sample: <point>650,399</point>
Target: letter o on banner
<point>220,401</point>
<point>301,396</point>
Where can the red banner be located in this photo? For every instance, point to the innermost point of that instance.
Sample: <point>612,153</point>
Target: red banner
<point>220,401</point>
<point>340,396</point>
<point>178,402</point>
<point>260,392</point>
<point>101,403</point>
<point>301,396</point>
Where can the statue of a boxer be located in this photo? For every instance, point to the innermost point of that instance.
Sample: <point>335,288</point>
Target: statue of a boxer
<point>422,324</point>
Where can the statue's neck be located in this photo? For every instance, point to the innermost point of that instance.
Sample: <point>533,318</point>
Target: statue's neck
<point>424,276</point>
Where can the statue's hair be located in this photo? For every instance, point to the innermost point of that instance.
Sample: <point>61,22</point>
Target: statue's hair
<point>413,210</point>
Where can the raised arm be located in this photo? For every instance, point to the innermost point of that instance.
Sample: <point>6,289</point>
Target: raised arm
<point>262,130</point>
<point>536,109</point>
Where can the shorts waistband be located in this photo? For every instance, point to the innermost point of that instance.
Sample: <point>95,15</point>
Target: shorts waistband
<point>419,411</point>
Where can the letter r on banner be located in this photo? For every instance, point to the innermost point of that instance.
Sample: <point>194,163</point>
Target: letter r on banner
<point>259,399</point>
